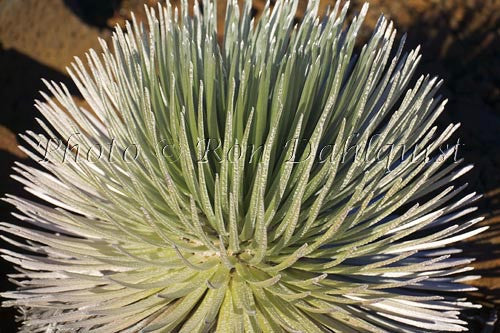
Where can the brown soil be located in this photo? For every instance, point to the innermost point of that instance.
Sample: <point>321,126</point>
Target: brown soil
<point>460,40</point>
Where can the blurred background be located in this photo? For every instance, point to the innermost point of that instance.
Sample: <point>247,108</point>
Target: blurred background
<point>460,42</point>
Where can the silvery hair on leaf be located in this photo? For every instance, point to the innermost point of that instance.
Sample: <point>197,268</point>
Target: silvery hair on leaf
<point>253,184</point>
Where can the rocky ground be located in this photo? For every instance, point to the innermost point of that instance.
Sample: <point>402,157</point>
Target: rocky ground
<point>460,40</point>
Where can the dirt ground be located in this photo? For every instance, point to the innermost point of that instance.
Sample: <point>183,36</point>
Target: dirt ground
<point>460,41</point>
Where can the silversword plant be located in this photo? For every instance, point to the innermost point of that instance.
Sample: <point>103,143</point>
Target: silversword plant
<point>244,225</point>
